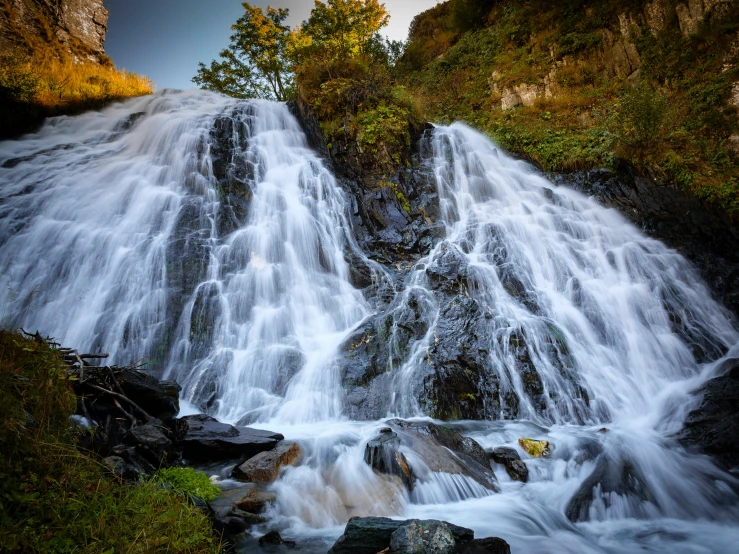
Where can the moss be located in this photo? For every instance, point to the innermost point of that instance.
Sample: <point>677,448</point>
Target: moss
<point>404,203</point>
<point>535,448</point>
<point>186,480</point>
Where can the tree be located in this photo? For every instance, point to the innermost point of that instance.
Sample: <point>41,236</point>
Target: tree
<point>255,64</point>
<point>344,28</point>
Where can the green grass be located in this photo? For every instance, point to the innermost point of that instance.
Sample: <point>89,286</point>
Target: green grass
<point>56,499</point>
<point>187,481</point>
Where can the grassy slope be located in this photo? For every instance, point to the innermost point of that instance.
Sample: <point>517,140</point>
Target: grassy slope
<point>675,124</point>
<point>55,499</point>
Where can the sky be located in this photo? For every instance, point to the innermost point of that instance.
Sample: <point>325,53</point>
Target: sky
<point>165,39</point>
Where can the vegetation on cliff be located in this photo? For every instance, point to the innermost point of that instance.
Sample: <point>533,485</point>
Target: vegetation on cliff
<point>576,84</point>
<point>54,498</point>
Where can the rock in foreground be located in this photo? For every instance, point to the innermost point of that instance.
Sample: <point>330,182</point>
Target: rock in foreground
<point>265,466</point>
<point>370,535</point>
<point>208,439</point>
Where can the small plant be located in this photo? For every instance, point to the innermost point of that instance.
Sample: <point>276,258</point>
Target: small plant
<point>189,482</point>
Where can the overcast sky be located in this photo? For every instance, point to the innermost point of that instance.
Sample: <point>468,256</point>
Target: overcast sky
<point>165,39</point>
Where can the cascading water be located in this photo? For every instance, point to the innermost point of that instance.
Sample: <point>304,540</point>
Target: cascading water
<point>203,233</point>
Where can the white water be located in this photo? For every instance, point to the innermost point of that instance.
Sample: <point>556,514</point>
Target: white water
<point>89,214</point>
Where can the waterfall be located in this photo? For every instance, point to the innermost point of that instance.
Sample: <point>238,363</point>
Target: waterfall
<point>202,233</point>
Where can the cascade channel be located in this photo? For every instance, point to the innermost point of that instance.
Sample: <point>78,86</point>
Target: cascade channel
<point>134,230</point>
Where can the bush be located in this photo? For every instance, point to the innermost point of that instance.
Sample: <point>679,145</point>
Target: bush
<point>640,119</point>
<point>189,482</point>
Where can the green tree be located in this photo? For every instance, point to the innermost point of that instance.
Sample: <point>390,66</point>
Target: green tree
<point>255,64</point>
<point>344,28</point>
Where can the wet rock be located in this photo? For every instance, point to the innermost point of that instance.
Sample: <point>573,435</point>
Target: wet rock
<point>160,399</point>
<point>536,448</point>
<point>254,501</point>
<point>512,462</point>
<point>370,535</point>
<point>712,426</point>
<point>445,450</point>
<point>118,467</point>
<point>265,466</point>
<point>152,443</point>
<point>610,476</point>
<point>234,524</point>
<point>208,439</point>
<point>489,545</point>
<point>423,537</point>
<point>273,538</point>
<point>382,454</point>
<point>248,517</point>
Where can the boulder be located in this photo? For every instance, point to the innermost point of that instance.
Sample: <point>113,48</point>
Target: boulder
<point>254,501</point>
<point>382,455</point>
<point>152,443</point>
<point>536,448</point>
<point>120,468</point>
<point>512,462</point>
<point>370,535</point>
<point>489,545</point>
<point>423,537</point>
<point>265,466</point>
<point>160,399</point>
<point>273,538</point>
<point>208,439</point>
<point>611,476</point>
<point>248,517</point>
<point>445,450</point>
<point>712,426</point>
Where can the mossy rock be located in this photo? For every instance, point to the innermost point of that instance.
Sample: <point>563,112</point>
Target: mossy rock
<point>536,448</point>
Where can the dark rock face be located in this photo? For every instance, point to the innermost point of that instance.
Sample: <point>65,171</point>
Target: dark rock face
<point>152,443</point>
<point>369,535</point>
<point>712,427</point>
<point>394,216</point>
<point>445,450</point>
<point>704,235</point>
<point>208,439</point>
<point>509,458</point>
<point>382,454</point>
<point>160,399</point>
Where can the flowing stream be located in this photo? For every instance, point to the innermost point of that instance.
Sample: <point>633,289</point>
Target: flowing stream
<point>136,231</point>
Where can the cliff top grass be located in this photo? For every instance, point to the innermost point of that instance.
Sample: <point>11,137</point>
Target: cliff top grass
<point>56,499</point>
<point>45,84</point>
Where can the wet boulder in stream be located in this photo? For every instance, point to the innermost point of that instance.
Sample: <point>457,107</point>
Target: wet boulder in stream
<point>509,458</point>
<point>208,439</point>
<point>444,450</point>
<point>382,455</point>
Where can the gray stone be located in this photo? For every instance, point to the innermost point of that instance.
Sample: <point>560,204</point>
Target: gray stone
<point>423,537</point>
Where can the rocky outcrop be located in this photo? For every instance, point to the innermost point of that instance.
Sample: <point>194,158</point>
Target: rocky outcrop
<point>74,27</point>
<point>370,535</point>
<point>383,455</point>
<point>394,214</point>
<point>712,426</point>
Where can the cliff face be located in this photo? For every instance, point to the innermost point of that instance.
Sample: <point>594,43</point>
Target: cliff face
<point>76,28</point>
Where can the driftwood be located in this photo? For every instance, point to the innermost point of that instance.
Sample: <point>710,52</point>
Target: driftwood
<point>93,382</point>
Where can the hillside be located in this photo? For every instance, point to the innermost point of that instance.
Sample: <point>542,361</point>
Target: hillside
<point>53,62</point>
<point>578,84</point>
